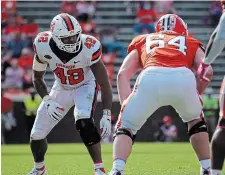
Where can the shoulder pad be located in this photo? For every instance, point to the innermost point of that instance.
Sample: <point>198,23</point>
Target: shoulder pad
<point>136,40</point>
<point>94,46</point>
<point>41,44</point>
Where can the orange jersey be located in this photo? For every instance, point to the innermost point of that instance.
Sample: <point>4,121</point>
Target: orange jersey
<point>165,49</point>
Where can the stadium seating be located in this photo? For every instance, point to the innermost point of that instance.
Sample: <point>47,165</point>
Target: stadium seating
<point>122,14</point>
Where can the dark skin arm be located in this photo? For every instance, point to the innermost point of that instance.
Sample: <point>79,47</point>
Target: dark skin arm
<point>102,79</point>
<point>39,82</point>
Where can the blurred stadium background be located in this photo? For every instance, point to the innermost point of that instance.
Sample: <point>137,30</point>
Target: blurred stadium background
<point>114,23</point>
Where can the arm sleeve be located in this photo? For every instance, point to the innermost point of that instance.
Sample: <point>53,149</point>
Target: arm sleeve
<point>216,42</point>
<point>37,65</point>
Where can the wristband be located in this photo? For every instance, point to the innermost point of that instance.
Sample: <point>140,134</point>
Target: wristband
<point>46,98</point>
<point>205,64</point>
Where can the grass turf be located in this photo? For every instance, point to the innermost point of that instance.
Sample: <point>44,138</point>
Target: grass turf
<point>73,159</point>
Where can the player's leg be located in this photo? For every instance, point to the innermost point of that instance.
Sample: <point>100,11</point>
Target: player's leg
<point>85,99</point>
<point>218,140</point>
<point>189,107</point>
<point>42,126</point>
<point>141,103</point>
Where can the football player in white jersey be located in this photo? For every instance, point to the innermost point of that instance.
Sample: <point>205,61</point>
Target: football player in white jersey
<point>215,46</point>
<point>75,60</point>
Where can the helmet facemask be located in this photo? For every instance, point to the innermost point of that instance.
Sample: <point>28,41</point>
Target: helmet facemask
<point>71,43</point>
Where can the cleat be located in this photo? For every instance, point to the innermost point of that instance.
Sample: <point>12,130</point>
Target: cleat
<point>116,172</point>
<point>100,171</point>
<point>206,171</point>
<point>35,171</point>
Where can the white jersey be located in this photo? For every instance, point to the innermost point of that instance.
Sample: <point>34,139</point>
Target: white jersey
<point>76,71</point>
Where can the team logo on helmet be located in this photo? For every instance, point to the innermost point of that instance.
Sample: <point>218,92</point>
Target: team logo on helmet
<point>171,23</point>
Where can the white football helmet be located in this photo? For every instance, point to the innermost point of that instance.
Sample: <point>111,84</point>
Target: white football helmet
<point>66,32</point>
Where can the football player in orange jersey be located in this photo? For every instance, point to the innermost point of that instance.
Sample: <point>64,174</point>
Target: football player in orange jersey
<point>214,48</point>
<point>166,58</point>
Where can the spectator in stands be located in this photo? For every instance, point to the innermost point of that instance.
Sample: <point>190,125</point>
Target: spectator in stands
<point>69,7</point>
<point>88,27</point>
<point>26,59</point>
<point>13,76</point>
<point>4,66</point>
<point>7,7</point>
<point>15,47</point>
<point>164,7</point>
<point>11,29</point>
<point>85,9</point>
<point>30,29</point>
<point>27,78</point>
<point>215,12</point>
<point>167,132</point>
<point>31,104</point>
<point>108,39</point>
<point>145,18</point>
<point>6,116</point>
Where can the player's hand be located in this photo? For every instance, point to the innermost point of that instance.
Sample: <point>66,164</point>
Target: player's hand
<point>202,70</point>
<point>105,123</point>
<point>55,111</point>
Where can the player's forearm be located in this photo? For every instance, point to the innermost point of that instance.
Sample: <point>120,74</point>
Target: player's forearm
<point>216,42</point>
<point>40,85</point>
<point>123,85</point>
<point>106,95</point>
<point>101,76</point>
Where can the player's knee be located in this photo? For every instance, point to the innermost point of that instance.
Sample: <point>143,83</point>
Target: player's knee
<point>221,123</point>
<point>88,131</point>
<point>218,140</point>
<point>200,126</point>
<point>37,135</point>
<point>124,131</point>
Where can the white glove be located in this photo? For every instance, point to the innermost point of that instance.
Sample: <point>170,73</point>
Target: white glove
<point>55,111</point>
<point>105,123</point>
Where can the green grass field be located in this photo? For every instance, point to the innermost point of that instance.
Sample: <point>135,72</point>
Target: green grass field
<point>73,159</point>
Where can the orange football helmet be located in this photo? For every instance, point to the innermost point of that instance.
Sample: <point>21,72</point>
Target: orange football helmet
<point>171,23</point>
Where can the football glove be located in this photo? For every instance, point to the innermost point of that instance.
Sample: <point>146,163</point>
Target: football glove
<point>55,111</point>
<point>202,70</point>
<point>105,123</point>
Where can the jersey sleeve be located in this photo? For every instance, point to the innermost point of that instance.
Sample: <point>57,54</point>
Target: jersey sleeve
<point>196,44</point>
<point>135,43</point>
<point>96,52</point>
<point>39,48</point>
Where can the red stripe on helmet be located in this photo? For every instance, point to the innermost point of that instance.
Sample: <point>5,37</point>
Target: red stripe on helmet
<point>68,22</point>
